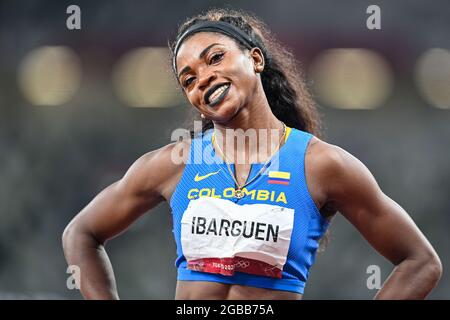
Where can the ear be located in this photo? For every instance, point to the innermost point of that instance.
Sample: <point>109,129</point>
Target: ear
<point>258,59</point>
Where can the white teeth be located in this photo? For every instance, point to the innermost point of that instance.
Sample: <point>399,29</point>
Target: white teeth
<point>218,92</point>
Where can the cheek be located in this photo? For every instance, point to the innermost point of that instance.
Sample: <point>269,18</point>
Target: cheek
<point>243,76</point>
<point>192,99</point>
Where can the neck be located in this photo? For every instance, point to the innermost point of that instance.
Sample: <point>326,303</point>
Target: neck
<point>254,133</point>
<point>255,115</point>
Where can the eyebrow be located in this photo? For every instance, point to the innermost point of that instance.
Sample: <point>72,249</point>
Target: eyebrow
<point>200,56</point>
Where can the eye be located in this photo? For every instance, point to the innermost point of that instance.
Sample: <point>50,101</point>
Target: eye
<point>216,57</point>
<point>188,81</point>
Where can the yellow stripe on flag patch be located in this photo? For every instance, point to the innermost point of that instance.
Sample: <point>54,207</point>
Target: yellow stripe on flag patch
<point>279,174</point>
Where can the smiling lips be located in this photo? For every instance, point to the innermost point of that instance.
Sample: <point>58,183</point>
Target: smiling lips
<point>214,95</point>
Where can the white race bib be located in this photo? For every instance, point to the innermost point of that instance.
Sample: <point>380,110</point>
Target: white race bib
<point>219,236</point>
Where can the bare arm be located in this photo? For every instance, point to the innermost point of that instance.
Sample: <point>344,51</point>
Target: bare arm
<point>352,190</point>
<point>111,212</point>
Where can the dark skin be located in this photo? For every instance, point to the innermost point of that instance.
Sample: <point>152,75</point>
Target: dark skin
<point>337,181</point>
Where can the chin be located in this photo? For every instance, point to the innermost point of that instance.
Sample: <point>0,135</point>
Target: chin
<point>224,113</point>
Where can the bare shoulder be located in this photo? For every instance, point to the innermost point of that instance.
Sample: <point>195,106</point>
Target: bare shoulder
<point>158,171</point>
<point>326,157</point>
<point>332,172</point>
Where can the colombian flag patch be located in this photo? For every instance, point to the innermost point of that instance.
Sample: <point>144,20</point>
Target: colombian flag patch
<point>279,177</point>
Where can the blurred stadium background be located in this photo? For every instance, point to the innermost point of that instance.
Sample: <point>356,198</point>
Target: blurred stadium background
<point>78,107</point>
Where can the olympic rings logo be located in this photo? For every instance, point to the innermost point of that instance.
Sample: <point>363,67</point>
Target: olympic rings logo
<point>242,264</point>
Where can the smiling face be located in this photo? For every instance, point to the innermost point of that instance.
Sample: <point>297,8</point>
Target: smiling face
<point>218,77</point>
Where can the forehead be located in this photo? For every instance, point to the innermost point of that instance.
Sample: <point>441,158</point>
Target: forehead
<point>194,45</point>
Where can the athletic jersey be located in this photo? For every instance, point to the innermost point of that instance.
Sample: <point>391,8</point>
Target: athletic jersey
<point>266,239</point>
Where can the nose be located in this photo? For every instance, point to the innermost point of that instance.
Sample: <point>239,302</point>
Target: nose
<point>205,79</point>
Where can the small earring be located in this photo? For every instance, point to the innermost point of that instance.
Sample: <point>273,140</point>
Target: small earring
<point>202,116</point>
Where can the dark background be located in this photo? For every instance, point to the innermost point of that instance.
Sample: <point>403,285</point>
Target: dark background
<point>55,159</point>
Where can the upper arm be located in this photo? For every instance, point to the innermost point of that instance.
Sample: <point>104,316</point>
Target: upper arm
<point>352,190</point>
<point>117,206</point>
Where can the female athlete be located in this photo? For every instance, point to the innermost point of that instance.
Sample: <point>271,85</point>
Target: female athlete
<point>248,221</point>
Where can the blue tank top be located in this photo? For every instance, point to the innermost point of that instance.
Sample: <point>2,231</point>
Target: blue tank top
<point>267,239</point>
